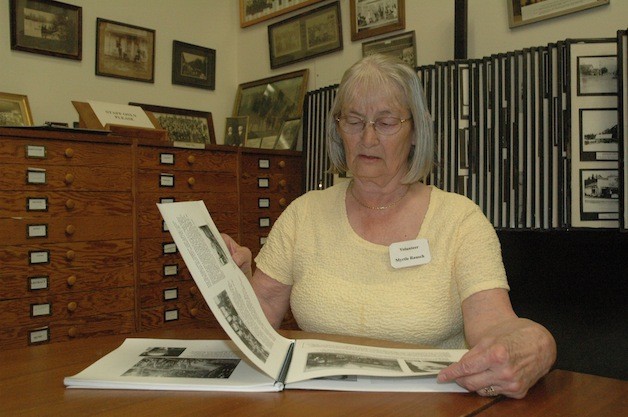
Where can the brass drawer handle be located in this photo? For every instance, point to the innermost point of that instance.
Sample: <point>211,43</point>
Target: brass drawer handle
<point>69,255</point>
<point>283,183</point>
<point>69,153</point>
<point>282,164</point>
<point>191,159</point>
<point>72,332</point>
<point>194,312</point>
<point>191,181</point>
<point>71,280</point>
<point>69,230</point>
<point>194,290</point>
<point>72,306</point>
<point>283,202</point>
<point>69,178</point>
<point>70,204</point>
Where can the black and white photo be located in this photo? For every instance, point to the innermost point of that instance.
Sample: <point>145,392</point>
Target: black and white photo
<point>597,75</point>
<point>598,134</point>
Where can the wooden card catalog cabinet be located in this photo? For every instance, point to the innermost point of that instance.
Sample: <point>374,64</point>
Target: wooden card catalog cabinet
<point>66,236</point>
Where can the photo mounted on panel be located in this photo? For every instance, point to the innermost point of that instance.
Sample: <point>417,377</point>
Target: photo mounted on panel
<point>125,51</point>
<point>376,17</point>
<point>270,101</point>
<point>47,28</point>
<point>313,33</point>
<point>402,46</point>
<point>289,134</point>
<point>522,12</point>
<point>15,110</point>
<point>597,75</point>
<point>193,65</point>
<point>182,125</point>
<point>255,11</point>
<point>236,129</point>
<point>599,138</point>
<point>599,196</point>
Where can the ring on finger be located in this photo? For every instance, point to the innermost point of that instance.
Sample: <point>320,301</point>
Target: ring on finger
<point>489,391</point>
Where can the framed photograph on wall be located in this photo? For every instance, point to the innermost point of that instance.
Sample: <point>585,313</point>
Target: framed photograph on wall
<point>289,134</point>
<point>193,65</point>
<point>599,140</point>
<point>182,125</point>
<point>523,12</point>
<point>599,196</point>
<point>47,28</point>
<point>376,17</point>
<point>125,51</point>
<point>270,101</point>
<point>402,46</point>
<point>313,33</point>
<point>15,110</point>
<point>597,75</point>
<point>255,11</point>
<point>236,129</point>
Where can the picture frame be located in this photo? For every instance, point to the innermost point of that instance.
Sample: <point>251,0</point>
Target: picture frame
<point>15,110</point>
<point>193,65</point>
<point>268,142</point>
<point>125,51</point>
<point>519,15</point>
<point>599,196</point>
<point>375,17</point>
<point>236,130</point>
<point>597,75</point>
<point>256,11</point>
<point>47,28</point>
<point>289,134</point>
<point>183,125</point>
<point>270,101</point>
<point>402,46</point>
<point>599,140</point>
<point>307,35</point>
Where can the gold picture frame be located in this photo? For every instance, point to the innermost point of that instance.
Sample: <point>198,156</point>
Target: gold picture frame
<point>15,110</point>
<point>519,15</point>
<point>255,11</point>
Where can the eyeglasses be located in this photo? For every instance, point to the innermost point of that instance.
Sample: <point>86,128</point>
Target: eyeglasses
<point>387,125</point>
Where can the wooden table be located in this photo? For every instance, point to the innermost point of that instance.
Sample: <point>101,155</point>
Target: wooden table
<point>31,384</point>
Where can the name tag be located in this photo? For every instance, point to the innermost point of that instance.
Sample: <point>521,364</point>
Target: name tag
<point>409,253</point>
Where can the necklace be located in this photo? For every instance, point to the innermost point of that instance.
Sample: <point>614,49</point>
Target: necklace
<point>394,203</point>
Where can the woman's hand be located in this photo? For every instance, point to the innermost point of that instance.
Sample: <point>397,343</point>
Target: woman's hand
<point>240,254</point>
<point>508,354</point>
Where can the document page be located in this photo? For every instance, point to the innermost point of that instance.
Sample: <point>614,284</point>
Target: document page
<point>224,286</point>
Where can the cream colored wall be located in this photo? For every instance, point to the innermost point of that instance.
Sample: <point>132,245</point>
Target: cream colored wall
<point>242,53</point>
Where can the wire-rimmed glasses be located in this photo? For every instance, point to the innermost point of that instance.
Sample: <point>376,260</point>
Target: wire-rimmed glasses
<point>386,125</point>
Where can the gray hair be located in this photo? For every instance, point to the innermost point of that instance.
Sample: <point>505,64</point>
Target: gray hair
<point>382,71</point>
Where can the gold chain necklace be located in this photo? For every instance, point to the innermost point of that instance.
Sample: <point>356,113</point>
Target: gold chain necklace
<point>394,203</point>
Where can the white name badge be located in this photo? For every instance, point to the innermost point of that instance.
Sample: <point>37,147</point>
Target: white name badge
<point>409,253</point>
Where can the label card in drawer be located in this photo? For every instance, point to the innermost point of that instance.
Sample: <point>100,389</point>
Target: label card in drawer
<point>166,180</point>
<point>37,204</point>
<point>169,248</point>
<point>263,183</point>
<point>264,222</point>
<point>166,158</point>
<point>171,294</point>
<point>38,257</point>
<point>263,163</point>
<point>35,176</point>
<point>171,315</point>
<point>38,310</point>
<point>171,270</point>
<point>37,283</point>
<point>39,336</point>
<point>263,202</point>
<point>37,230</point>
<point>35,151</point>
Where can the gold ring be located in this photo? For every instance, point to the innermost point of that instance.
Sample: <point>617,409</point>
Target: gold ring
<point>489,391</point>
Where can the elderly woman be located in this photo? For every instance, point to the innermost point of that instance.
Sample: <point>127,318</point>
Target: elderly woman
<point>387,256</point>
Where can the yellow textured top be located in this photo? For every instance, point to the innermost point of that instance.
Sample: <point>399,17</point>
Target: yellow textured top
<point>343,284</point>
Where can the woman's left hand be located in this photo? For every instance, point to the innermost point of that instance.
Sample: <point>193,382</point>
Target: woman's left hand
<point>507,359</point>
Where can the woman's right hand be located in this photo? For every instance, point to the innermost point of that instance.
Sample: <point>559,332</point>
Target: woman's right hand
<point>241,255</point>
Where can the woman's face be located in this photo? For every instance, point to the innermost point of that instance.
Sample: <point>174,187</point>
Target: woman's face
<point>372,155</point>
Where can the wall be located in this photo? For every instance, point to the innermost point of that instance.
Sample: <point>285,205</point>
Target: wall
<point>242,53</point>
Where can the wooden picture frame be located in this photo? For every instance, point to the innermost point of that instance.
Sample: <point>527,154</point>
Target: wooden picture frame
<point>402,46</point>
<point>47,27</point>
<point>307,35</point>
<point>15,110</point>
<point>125,51</point>
<point>289,134</point>
<point>270,101</point>
<point>236,129</point>
<point>193,65</point>
<point>522,15</point>
<point>255,11</point>
<point>183,125</point>
<point>375,17</point>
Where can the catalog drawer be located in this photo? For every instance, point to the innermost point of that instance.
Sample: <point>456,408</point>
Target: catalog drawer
<point>186,159</point>
<point>37,177</point>
<point>164,292</point>
<point>177,314</point>
<point>168,181</point>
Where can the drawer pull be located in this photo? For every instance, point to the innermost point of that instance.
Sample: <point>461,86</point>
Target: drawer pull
<point>69,230</point>
<point>194,290</point>
<point>69,179</point>
<point>69,153</point>
<point>191,159</point>
<point>283,183</point>
<point>70,204</point>
<point>191,181</point>
<point>69,255</point>
<point>72,332</point>
<point>72,306</point>
<point>282,164</point>
<point>283,202</point>
<point>71,280</point>
<point>194,312</point>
